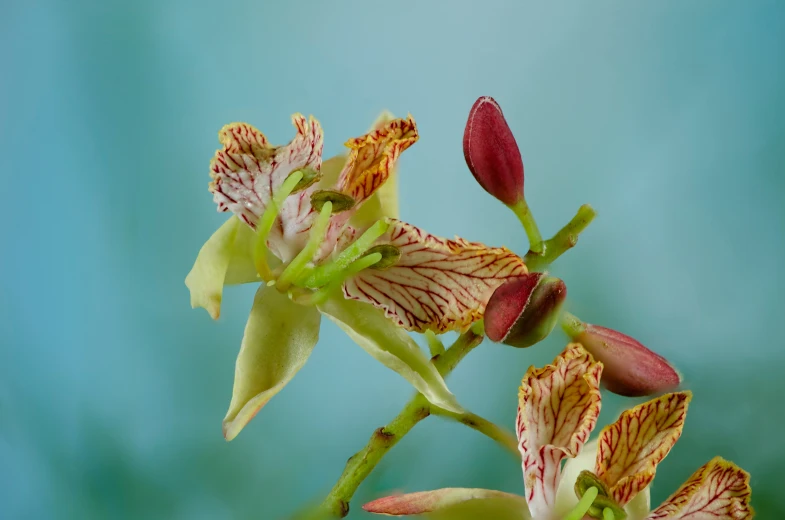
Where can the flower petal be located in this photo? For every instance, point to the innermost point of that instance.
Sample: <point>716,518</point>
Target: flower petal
<point>224,259</point>
<point>719,490</point>
<point>630,449</point>
<point>390,345</point>
<point>373,156</point>
<point>279,338</point>
<point>437,284</point>
<point>248,170</point>
<point>566,500</point>
<point>430,501</point>
<point>558,406</point>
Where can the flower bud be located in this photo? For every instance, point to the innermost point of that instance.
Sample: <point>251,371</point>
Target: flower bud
<point>631,369</point>
<point>525,310</point>
<point>492,153</point>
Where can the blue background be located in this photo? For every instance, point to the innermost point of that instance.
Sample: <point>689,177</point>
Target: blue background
<point>666,116</point>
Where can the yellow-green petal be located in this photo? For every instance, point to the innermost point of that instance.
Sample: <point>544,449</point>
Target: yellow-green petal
<point>224,259</point>
<point>279,338</point>
<point>390,345</point>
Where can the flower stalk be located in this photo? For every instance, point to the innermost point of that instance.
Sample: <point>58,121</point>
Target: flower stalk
<point>362,463</point>
<point>564,239</point>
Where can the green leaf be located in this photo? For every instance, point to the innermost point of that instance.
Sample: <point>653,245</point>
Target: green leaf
<point>390,345</point>
<point>279,338</point>
<point>224,259</point>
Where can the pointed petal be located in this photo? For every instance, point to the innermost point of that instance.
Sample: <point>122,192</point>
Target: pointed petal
<point>566,500</point>
<point>373,156</point>
<point>223,259</point>
<point>719,490</point>
<point>630,449</point>
<point>248,170</point>
<point>430,501</point>
<point>390,345</point>
<point>558,406</point>
<point>437,284</point>
<point>279,338</point>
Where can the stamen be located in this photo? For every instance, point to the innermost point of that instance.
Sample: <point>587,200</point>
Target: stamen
<point>324,274</point>
<point>296,266</point>
<point>607,514</point>
<point>583,505</point>
<point>265,224</point>
<point>320,296</point>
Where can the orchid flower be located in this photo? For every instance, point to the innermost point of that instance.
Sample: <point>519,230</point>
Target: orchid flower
<point>323,238</point>
<point>558,409</point>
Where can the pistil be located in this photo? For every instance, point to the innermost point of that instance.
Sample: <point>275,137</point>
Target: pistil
<point>315,239</point>
<point>584,504</point>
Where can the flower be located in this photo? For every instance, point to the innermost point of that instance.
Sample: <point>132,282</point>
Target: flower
<point>558,408</point>
<point>324,239</point>
<point>631,369</point>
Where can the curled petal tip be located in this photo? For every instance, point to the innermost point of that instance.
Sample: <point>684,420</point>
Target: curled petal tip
<point>491,152</point>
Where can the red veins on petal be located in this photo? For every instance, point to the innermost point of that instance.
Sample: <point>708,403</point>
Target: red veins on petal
<point>373,157</point>
<point>437,284</point>
<point>248,170</point>
<point>558,406</point>
<point>630,449</point>
<point>718,490</point>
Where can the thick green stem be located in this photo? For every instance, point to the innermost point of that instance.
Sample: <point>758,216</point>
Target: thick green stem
<point>521,210</point>
<point>565,239</point>
<point>360,465</point>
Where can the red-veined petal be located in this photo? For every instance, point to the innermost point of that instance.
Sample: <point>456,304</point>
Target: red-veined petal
<point>437,284</point>
<point>558,406</point>
<point>719,490</point>
<point>248,170</point>
<point>630,448</point>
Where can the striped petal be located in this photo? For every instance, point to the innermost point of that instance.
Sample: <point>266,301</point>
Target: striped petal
<point>437,284</point>
<point>441,499</point>
<point>719,490</point>
<point>630,449</point>
<point>558,406</point>
<point>373,156</point>
<point>248,170</point>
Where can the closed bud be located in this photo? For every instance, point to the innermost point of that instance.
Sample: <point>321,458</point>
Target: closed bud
<point>631,369</point>
<point>524,311</point>
<point>492,153</point>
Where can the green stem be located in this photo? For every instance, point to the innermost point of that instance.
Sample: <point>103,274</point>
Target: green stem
<point>521,210</point>
<point>435,345</point>
<point>571,325</point>
<point>565,239</point>
<point>484,426</point>
<point>362,463</point>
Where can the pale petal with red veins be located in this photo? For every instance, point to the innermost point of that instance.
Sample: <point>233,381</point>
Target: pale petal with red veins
<point>719,490</point>
<point>373,156</point>
<point>437,284</point>
<point>432,501</point>
<point>630,448</point>
<point>249,170</point>
<point>558,406</point>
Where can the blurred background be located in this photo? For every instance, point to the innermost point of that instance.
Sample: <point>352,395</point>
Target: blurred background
<point>666,116</point>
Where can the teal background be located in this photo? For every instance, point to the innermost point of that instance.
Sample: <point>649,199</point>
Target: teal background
<point>666,116</point>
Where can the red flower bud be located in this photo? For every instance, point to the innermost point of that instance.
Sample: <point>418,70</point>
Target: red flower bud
<point>492,153</point>
<point>631,369</point>
<point>524,311</point>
